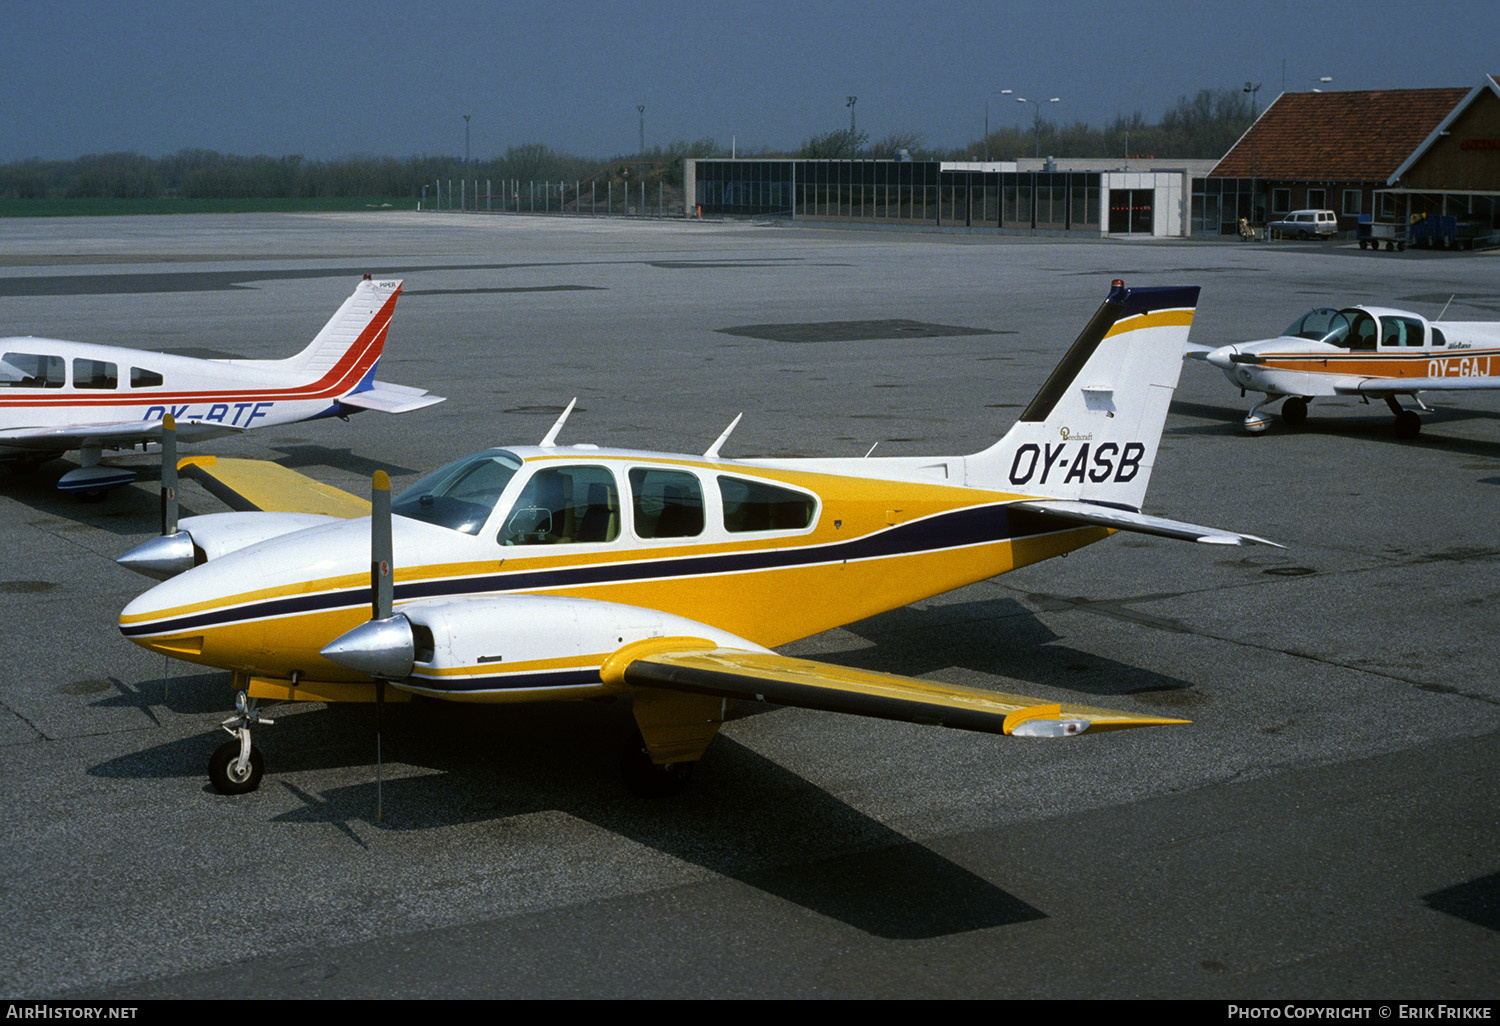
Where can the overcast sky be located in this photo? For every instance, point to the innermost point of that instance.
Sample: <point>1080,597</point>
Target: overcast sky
<point>393,77</point>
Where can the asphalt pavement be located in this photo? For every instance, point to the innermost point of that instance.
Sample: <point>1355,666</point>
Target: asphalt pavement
<point>1325,828</point>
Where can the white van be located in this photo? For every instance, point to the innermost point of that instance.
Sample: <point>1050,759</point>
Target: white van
<point>1306,224</point>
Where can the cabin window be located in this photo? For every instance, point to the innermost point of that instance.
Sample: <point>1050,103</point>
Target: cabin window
<point>461,495</point>
<point>140,377</point>
<point>95,374</point>
<point>667,504</point>
<point>1401,331</point>
<point>565,506</point>
<point>31,370</point>
<point>1362,331</point>
<point>758,506</point>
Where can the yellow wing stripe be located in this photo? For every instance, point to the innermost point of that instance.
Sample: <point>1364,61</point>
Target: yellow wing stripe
<point>786,680</point>
<point>269,487</point>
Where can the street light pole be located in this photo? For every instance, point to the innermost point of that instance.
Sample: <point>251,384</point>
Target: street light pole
<point>466,138</point>
<point>1037,119</point>
<point>996,92</point>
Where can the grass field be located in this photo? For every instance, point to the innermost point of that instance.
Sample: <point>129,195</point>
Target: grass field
<point>121,207</point>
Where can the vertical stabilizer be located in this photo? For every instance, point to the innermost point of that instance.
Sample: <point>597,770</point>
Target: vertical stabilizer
<point>353,337</point>
<point>1093,430</point>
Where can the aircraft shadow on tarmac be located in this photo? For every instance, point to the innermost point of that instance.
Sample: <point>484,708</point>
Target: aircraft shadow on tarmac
<point>743,817</point>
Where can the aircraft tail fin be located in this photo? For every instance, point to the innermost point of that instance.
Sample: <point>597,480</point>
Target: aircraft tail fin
<point>1092,432</point>
<point>351,342</point>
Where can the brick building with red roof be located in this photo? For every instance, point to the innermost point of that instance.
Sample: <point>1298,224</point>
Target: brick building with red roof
<point>1393,153</point>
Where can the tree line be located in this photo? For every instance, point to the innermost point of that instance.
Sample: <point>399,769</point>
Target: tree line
<point>1201,126</point>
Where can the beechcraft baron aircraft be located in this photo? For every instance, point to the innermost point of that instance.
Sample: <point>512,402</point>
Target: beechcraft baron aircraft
<point>59,396</point>
<point>564,572</point>
<point>1366,351</point>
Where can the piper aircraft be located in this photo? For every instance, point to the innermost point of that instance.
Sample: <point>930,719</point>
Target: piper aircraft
<point>58,396</point>
<point>1368,351</point>
<point>556,572</point>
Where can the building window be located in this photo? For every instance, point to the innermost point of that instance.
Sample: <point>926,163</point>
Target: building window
<point>1317,199</point>
<point>1353,200</point>
<point>1281,201</point>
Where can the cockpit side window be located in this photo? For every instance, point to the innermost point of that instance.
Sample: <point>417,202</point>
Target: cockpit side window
<point>461,495</point>
<point>31,370</point>
<point>565,506</point>
<point>667,503</point>
<point>1363,331</point>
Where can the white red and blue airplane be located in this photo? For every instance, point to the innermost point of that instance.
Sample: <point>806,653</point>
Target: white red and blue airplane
<point>1367,351</point>
<point>550,572</point>
<point>58,396</point>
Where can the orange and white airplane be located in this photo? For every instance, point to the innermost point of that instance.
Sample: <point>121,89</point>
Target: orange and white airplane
<point>551,572</point>
<point>58,396</point>
<point>1368,351</point>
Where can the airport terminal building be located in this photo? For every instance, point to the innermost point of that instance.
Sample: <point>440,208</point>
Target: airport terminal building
<point>1044,198</point>
<point>1399,155</point>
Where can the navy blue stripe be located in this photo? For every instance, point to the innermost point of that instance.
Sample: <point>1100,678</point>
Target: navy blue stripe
<point>514,682</point>
<point>969,526</point>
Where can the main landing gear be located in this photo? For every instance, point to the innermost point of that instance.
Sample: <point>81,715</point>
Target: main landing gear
<point>236,766</point>
<point>1294,415</point>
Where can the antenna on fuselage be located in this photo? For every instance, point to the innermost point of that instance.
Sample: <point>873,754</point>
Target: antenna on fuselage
<point>1444,310</point>
<point>551,440</point>
<point>713,450</point>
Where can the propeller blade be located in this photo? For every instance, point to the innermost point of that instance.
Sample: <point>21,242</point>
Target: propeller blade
<point>169,475</point>
<point>382,599</point>
<point>382,558</point>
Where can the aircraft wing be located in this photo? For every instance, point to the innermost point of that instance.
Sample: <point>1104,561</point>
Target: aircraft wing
<point>1408,386</point>
<point>114,435</point>
<point>388,398</point>
<point>1069,511</point>
<point>262,486</point>
<point>786,680</point>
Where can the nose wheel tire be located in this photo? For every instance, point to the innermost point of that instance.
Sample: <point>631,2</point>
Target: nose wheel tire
<point>225,774</point>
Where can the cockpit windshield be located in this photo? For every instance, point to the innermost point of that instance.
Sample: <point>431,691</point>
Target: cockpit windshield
<point>461,495</point>
<point>1322,325</point>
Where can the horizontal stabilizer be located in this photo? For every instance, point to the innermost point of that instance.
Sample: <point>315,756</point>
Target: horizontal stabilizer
<point>785,680</point>
<point>388,398</point>
<point>262,486</point>
<point>1070,512</point>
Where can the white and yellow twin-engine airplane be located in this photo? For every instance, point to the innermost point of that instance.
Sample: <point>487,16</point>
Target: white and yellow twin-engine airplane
<point>549,572</point>
<point>1365,351</point>
<point>58,396</point>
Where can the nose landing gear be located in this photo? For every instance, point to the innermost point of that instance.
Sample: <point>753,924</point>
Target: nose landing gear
<point>236,766</point>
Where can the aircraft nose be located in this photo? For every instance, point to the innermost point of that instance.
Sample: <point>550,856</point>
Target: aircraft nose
<point>1222,358</point>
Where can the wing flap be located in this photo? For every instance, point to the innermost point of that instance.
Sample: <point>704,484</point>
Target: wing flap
<point>262,486</point>
<point>1073,512</point>
<point>786,680</point>
<point>385,397</point>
